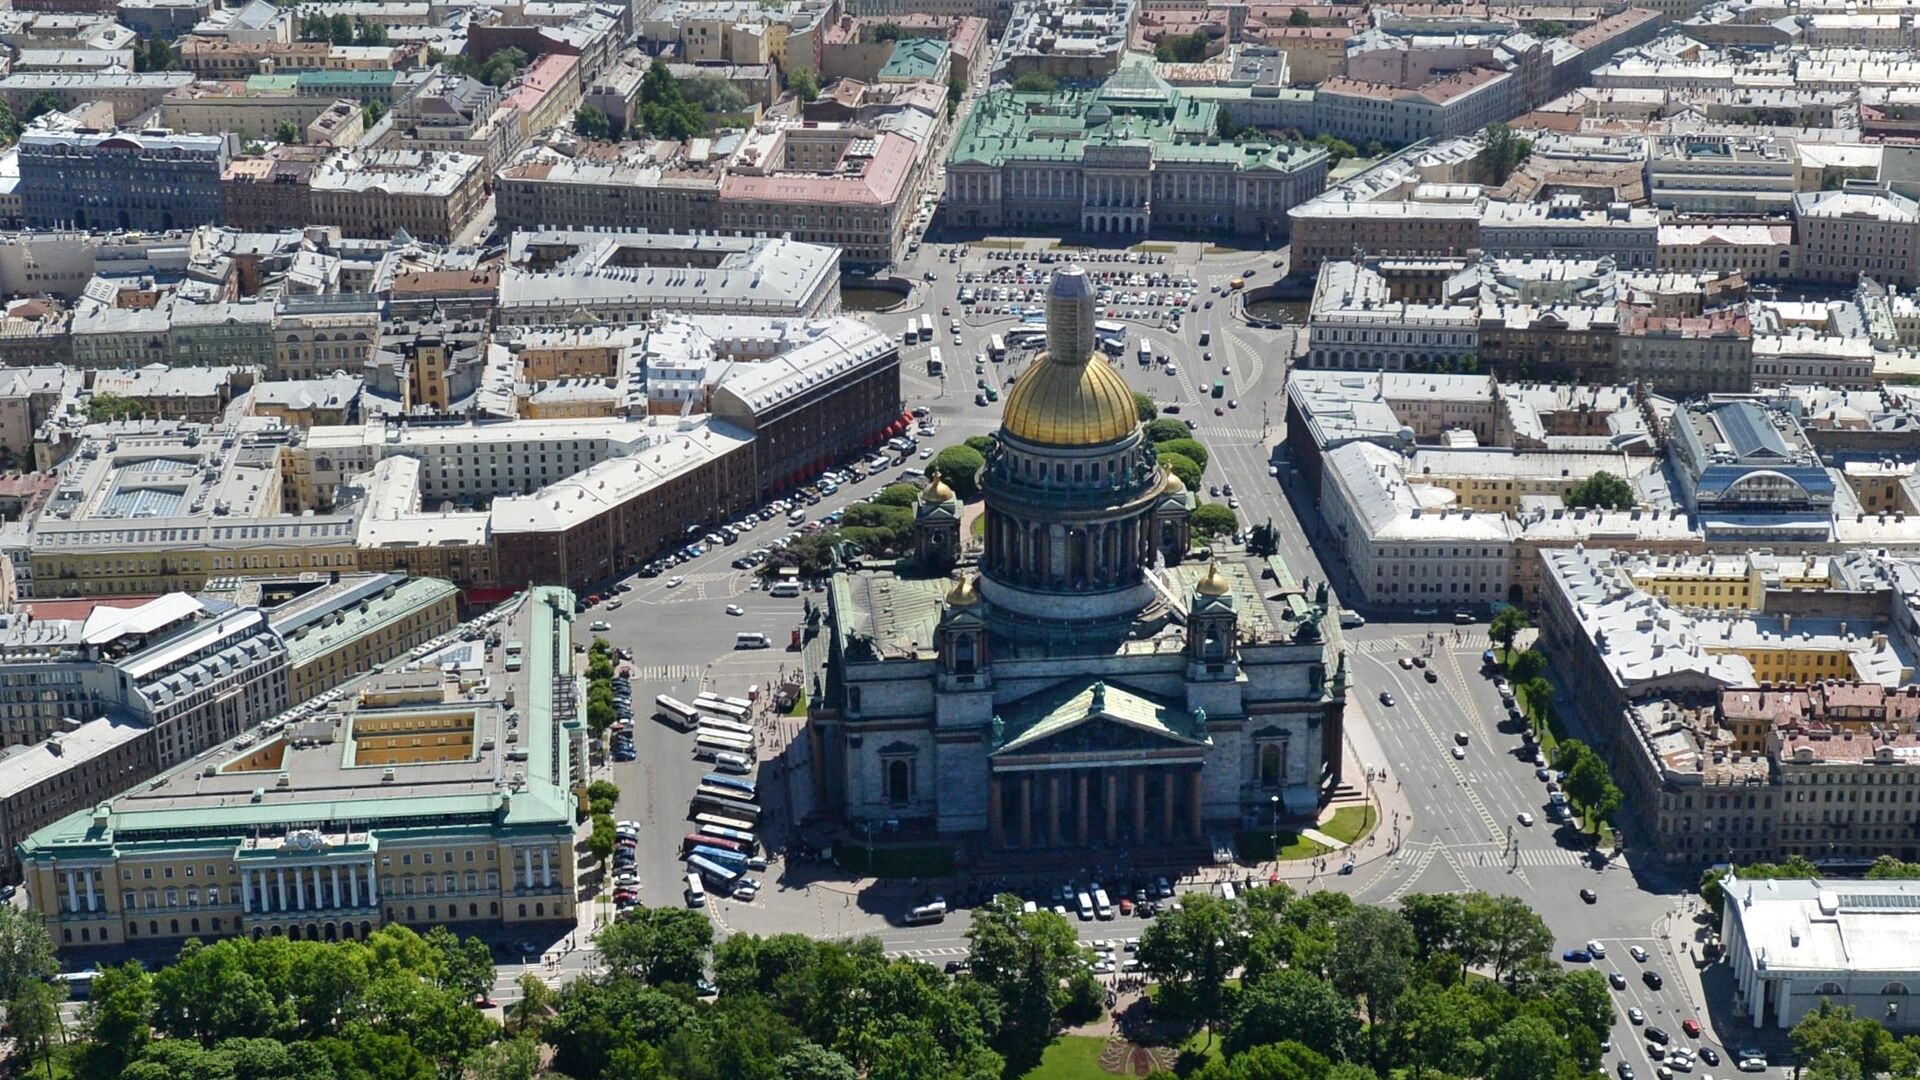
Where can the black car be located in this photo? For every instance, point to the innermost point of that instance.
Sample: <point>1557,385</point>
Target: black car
<point>1709,1055</point>
<point>1658,1035</point>
<point>1589,896</point>
<point>1651,978</point>
<point>1618,980</point>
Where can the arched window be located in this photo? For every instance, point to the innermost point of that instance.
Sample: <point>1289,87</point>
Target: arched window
<point>899,781</point>
<point>1894,989</point>
<point>1829,989</point>
<point>1270,765</point>
<point>963,654</point>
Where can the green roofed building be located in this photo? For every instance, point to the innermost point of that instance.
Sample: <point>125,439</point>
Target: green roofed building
<point>361,86</point>
<point>442,795</point>
<point>1128,157</point>
<point>917,60</point>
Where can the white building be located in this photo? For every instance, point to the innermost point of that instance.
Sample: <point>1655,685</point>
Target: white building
<point>1793,944</point>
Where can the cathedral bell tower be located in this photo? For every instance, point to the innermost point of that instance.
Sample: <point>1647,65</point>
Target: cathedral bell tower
<point>1213,647</point>
<point>936,527</point>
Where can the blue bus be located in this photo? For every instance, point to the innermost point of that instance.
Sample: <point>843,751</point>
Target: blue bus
<point>713,870</point>
<point>745,787</point>
<point>719,855</point>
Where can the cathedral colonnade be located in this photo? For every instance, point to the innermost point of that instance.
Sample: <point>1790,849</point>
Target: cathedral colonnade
<point>1080,806</point>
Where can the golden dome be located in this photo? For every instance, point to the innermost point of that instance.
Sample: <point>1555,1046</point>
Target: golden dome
<point>1070,403</point>
<point>964,594</point>
<point>937,491</point>
<point>1174,485</point>
<point>1214,583</point>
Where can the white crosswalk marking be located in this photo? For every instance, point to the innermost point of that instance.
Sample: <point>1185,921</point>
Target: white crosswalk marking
<point>666,672</point>
<point>950,950</point>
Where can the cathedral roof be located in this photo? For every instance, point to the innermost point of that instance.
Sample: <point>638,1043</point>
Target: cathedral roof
<point>1060,401</point>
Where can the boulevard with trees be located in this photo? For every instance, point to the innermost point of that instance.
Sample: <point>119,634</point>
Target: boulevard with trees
<point>1275,984</point>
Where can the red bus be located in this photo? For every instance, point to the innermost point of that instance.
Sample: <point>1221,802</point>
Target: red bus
<point>694,840</point>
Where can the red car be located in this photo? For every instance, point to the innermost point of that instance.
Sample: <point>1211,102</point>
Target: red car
<point>1691,1027</point>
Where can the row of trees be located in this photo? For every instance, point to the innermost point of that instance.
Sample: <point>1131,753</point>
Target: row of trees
<point>1589,783</point>
<point>341,30</point>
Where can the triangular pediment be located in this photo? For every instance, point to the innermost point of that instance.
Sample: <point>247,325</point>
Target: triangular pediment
<point>1082,718</point>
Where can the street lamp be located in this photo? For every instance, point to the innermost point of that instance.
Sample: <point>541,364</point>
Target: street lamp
<point>1273,839</point>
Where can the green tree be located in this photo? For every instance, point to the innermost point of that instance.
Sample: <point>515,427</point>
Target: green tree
<point>26,952</point>
<point>1713,892</point>
<point>1183,467</point>
<point>1191,949</point>
<point>1211,519</point>
<point>601,840</point>
<point>1293,1004</point>
<point>43,103</point>
<point>1435,919</point>
<point>1525,665</point>
<point>981,444</point>
<point>1337,149</point>
<point>103,407</point>
<point>1548,28</point>
<point>1527,1048</point>
<point>1583,1009</point>
<point>1501,152</point>
<point>1590,785</point>
<point>1828,1031</point>
<point>960,467</point>
<point>1188,48</point>
<point>1145,407</point>
<point>288,132</point>
<point>33,1019</point>
<point>592,122</point>
<point>9,125</point>
<point>1025,958</point>
<point>1165,429</point>
<point>714,95</point>
<point>956,92</point>
<point>1502,934</point>
<point>1371,965</point>
<point>1604,491</point>
<point>658,945</point>
<point>1275,1061</point>
<point>1188,448</point>
<point>369,33</point>
<point>529,1015</point>
<point>811,1061</point>
<point>372,112</point>
<point>905,495</point>
<point>1507,625</point>
<point>804,85</point>
<point>508,1059</point>
<point>118,1020</point>
<point>664,111</point>
<point>887,31</point>
<point>604,793</point>
<point>1033,82</point>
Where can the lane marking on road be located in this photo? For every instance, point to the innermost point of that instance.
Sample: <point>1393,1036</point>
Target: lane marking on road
<point>669,673</point>
<point>1421,859</point>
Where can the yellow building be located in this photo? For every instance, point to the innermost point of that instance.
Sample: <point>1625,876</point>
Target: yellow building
<point>412,803</point>
<point>344,630</point>
<point>1703,581</point>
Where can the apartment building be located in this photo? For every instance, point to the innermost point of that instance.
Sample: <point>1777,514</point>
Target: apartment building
<point>431,195</point>
<point>120,179</point>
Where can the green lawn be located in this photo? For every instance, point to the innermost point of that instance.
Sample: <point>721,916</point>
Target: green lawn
<point>1257,846</point>
<point>1222,249</point>
<point>1070,1057</point>
<point>1005,245</point>
<point>1351,823</point>
<point>979,527</point>
<point>930,861</point>
<point>1155,249</point>
<point>799,706</point>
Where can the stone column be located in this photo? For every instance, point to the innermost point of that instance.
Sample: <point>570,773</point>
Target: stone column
<point>1193,802</point>
<point>526,857</point>
<point>373,887</point>
<point>246,891</point>
<point>337,895</point>
<point>1026,810</point>
<point>546,869</point>
<point>280,881</point>
<point>1080,803</point>
<point>353,885</point>
<point>996,822</point>
<point>73,894</point>
<point>318,892</point>
<point>1139,804</point>
<point>1113,804</point>
<point>300,889</point>
<point>1167,778</point>
<point>1054,791</point>
<point>93,902</point>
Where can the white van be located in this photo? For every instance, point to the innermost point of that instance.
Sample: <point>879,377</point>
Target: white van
<point>599,625</point>
<point>1351,619</point>
<point>751,641</point>
<point>1101,908</point>
<point>1227,892</point>
<point>733,763</point>
<point>928,913</point>
<point>1085,905</point>
<point>785,589</point>
<point>696,892</point>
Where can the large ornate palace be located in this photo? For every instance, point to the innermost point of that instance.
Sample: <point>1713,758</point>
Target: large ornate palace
<point>1085,679</point>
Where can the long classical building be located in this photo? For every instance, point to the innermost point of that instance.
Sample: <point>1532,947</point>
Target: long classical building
<point>1131,157</point>
<point>1083,680</point>
<point>416,801</point>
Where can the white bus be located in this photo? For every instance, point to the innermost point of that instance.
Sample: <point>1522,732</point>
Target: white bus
<point>728,825</point>
<point>752,640</point>
<point>936,366</point>
<point>1146,353</point>
<point>926,329</point>
<point>723,726</point>
<point>675,712</point>
<point>911,335</point>
<point>997,347</point>
<point>731,708</point>
<point>709,742</point>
